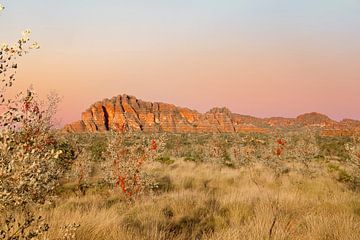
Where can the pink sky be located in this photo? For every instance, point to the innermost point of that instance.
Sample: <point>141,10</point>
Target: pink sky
<point>264,84</point>
<point>256,59</point>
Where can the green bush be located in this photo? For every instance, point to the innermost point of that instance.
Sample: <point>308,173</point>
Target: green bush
<point>333,147</point>
<point>97,147</point>
<point>165,160</point>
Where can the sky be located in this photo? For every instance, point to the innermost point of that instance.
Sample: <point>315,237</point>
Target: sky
<point>258,57</point>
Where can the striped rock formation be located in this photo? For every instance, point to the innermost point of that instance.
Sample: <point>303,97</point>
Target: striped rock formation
<point>125,110</point>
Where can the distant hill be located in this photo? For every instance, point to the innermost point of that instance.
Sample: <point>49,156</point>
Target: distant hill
<point>128,111</point>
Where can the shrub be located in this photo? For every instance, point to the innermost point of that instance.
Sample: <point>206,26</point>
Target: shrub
<point>334,147</point>
<point>127,152</point>
<point>31,163</point>
<point>353,149</point>
<point>31,227</point>
<point>97,148</point>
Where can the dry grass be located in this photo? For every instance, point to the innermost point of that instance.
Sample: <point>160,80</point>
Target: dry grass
<point>202,201</point>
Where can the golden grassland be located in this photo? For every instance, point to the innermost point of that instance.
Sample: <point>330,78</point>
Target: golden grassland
<point>208,201</point>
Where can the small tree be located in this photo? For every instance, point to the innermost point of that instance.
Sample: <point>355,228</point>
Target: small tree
<point>30,164</point>
<point>305,149</point>
<point>127,153</point>
<point>353,148</point>
<point>28,157</point>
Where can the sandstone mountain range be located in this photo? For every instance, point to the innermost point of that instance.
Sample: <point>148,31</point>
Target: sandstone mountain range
<point>139,115</point>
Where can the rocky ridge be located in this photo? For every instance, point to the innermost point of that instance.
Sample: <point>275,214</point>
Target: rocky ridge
<point>138,115</point>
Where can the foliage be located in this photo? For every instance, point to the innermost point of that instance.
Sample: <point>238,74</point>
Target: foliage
<point>97,147</point>
<point>77,148</point>
<point>353,148</point>
<point>8,63</point>
<point>29,160</point>
<point>352,178</point>
<point>165,159</point>
<point>31,163</point>
<point>334,146</point>
<point>69,231</point>
<point>126,155</point>
<point>30,228</point>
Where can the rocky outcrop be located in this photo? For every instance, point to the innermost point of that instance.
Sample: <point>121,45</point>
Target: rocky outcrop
<point>137,115</point>
<point>315,119</point>
<point>144,116</point>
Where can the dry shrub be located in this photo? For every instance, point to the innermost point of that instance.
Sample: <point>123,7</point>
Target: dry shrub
<point>31,166</point>
<point>127,153</point>
<point>352,176</point>
<point>30,162</point>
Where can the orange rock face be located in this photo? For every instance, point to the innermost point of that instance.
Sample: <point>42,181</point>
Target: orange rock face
<point>128,111</point>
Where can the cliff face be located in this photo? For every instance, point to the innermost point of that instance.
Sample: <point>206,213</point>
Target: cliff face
<point>138,115</point>
<point>150,117</point>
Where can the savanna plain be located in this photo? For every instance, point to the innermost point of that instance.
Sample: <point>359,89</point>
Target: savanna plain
<point>281,185</point>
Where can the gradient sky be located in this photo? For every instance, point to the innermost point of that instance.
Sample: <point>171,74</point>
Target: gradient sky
<point>257,57</point>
